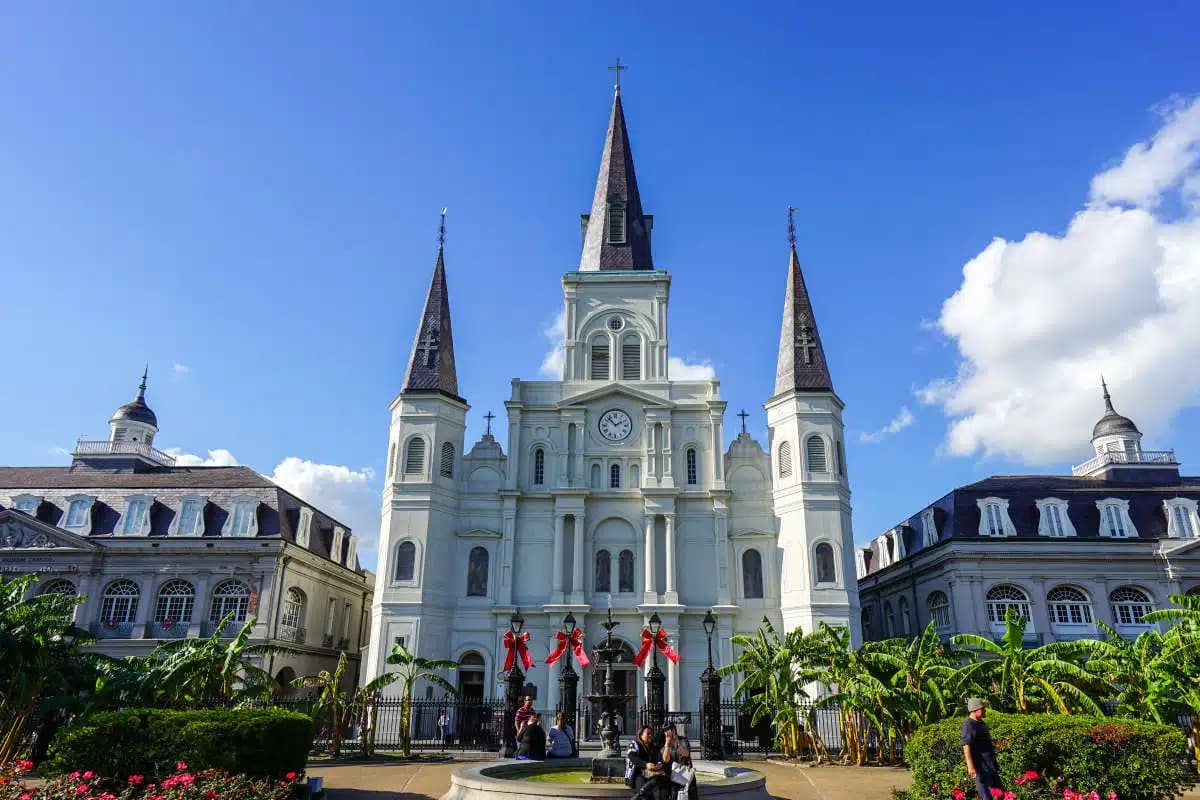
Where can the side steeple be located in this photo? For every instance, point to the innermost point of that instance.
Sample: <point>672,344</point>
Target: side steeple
<point>431,363</point>
<point>802,366</point>
<point>616,235</point>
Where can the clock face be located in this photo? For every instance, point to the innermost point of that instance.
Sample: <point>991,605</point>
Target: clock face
<point>615,425</point>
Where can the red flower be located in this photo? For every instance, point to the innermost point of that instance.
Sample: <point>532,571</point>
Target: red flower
<point>26,796</point>
<point>24,766</point>
<point>1020,780</point>
<point>1031,775</point>
<point>1112,796</point>
<point>89,775</point>
<point>210,794</point>
<point>1093,795</point>
<point>958,794</point>
<point>82,788</point>
<point>996,793</point>
<point>291,776</point>
<point>74,776</point>
<point>1010,796</point>
<point>136,780</point>
<point>181,766</point>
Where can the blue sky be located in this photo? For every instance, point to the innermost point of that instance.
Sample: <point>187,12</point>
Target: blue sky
<point>246,197</point>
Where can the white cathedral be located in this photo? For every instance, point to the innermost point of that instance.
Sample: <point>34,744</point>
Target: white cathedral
<point>613,485</point>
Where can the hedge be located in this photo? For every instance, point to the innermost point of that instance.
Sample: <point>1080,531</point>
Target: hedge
<point>1137,760</point>
<point>266,743</point>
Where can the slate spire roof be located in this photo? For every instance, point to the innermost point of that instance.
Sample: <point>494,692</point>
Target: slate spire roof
<point>431,363</point>
<point>802,366</point>
<point>137,410</point>
<point>616,197</point>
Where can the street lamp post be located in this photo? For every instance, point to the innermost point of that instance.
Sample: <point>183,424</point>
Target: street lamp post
<point>513,683</point>
<point>656,705</point>
<point>710,699</point>
<point>568,684</point>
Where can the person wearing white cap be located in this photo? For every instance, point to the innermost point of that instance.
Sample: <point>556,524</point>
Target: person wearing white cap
<point>978,750</point>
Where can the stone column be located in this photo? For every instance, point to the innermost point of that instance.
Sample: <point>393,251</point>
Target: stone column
<point>509,514</point>
<point>672,594</point>
<point>514,446</point>
<point>718,456</point>
<point>721,537</point>
<point>145,607</point>
<point>651,595</point>
<point>556,584</point>
<point>667,458</point>
<point>577,564</point>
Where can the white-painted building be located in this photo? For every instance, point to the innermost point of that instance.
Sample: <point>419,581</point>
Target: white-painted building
<point>612,484</point>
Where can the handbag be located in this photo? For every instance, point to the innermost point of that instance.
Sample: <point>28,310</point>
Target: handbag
<point>682,774</point>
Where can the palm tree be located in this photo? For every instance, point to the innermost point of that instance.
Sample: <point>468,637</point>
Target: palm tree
<point>331,698</point>
<point>411,670</point>
<point>923,674</point>
<point>858,687</point>
<point>1048,677</point>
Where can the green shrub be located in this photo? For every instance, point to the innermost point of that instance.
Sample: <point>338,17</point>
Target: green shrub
<point>260,743</point>
<point>1137,760</point>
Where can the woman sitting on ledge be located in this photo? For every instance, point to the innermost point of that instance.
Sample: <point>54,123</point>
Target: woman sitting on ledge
<point>644,770</point>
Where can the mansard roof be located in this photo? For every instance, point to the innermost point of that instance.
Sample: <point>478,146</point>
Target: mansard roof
<point>802,366</point>
<point>616,191</point>
<point>158,478</point>
<point>431,362</point>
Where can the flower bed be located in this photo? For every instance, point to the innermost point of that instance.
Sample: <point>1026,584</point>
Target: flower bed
<point>183,784</point>
<point>1055,757</point>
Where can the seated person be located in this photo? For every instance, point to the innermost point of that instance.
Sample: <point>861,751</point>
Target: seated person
<point>562,739</point>
<point>532,741</point>
<point>676,751</point>
<point>644,771</point>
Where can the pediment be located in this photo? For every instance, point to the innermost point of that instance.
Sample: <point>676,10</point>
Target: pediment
<point>751,534</point>
<point>480,533</point>
<point>19,531</point>
<point>615,389</point>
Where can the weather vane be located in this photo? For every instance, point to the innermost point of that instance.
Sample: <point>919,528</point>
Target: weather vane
<point>442,231</point>
<point>791,226</point>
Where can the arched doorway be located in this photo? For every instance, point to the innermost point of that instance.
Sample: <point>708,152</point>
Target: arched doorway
<point>625,682</point>
<point>470,678</point>
<point>283,683</point>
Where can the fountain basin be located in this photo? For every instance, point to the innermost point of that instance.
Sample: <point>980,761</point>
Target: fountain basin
<point>535,780</point>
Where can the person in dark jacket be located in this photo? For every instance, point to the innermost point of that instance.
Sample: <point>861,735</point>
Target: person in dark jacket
<point>676,751</point>
<point>644,771</point>
<point>533,740</point>
<point>978,750</point>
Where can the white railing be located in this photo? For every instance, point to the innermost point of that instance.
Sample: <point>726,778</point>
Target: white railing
<point>85,447</point>
<point>1143,457</point>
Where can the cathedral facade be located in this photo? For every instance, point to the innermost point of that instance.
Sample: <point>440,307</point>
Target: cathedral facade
<point>611,487</point>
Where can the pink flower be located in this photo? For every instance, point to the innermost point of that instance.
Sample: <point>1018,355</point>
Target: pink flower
<point>291,776</point>
<point>1093,795</point>
<point>1031,775</point>
<point>958,794</point>
<point>136,780</point>
<point>89,775</point>
<point>181,766</point>
<point>210,794</point>
<point>1112,796</point>
<point>74,776</point>
<point>26,796</point>
<point>1020,780</point>
<point>1010,796</point>
<point>996,793</point>
<point>24,766</point>
<point>82,788</point>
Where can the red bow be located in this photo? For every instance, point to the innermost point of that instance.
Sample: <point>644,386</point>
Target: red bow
<point>516,644</point>
<point>575,641</point>
<point>659,640</point>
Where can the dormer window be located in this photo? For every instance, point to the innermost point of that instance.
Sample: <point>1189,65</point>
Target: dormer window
<point>79,514</point>
<point>929,527</point>
<point>1181,518</point>
<point>1114,518</point>
<point>993,517</point>
<point>335,550</point>
<point>136,521</point>
<point>304,527</point>
<point>1053,520</point>
<point>616,223</point>
<point>243,518</point>
<point>27,503</point>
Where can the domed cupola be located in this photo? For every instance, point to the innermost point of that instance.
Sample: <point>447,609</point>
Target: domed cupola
<point>1114,432</point>
<point>134,421</point>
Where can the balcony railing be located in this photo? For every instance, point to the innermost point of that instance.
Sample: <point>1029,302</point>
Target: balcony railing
<point>169,629</point>
<point>227,632</point>
<point>289,634</point>
<point>85,447</point>
<point>112,630</point>
<point>1165,457</point>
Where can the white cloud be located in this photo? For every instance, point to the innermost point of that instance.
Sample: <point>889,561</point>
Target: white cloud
<point>216,458</point>
<point>1036,321</point>
<point>181,369</point>
<point>902,420</point>
<point>552,363</point>
<point>348,495</point>
<point>680,370</point>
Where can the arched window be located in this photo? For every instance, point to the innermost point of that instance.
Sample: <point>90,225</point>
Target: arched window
<point>614,476</point>
<point>60,586</point>
<point>175,601</point>
<point>595,482</point>
<point>414,457</point>
<point>905,618</point>
<point>752,574</point>
<point>814,454</point>
<point>599,366</point>
<point>889,620</point>
<point>447,469</point>
<point>230,597</point>
<point>120,602</point>
<point>631,359</point>
<point>785,460</point>
<point>826,568</point>
<point>635,476</point>
<point>406,562</point>
<point>691,466</point>
<point>603,571</point>
<point>1070,610</point>
<point>477,572</point>
<point>625,571</point>
<point>471,673</point>
<point>1129,605</point>
<point>539,466</point>
<point>292,620</point>
<point>1003,597</point>
<point>939,610</point>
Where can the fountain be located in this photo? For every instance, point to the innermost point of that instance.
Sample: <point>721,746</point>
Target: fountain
<point>610,763</point>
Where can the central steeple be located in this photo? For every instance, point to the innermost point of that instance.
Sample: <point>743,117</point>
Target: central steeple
<point>616,234</point>
<point>431,362</point>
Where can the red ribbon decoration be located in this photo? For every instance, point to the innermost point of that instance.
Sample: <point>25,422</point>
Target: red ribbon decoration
<point>659,640</point>
<point>575,641</point>
<point>516,644</point>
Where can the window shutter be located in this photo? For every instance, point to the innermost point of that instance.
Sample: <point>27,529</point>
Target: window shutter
<point>414,460</point>
<point>447,470</point>
<point>631,360</point>
<point>599,362</point>
<point>815,452</point>
<point>785,460</point>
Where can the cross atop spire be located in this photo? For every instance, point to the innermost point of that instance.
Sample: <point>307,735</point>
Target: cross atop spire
<point>617,68</point>
<point>431,362</point>
<point>802,366</point>
<point>617,232</point>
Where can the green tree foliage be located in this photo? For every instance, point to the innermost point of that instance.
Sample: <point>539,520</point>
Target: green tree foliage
<point>412,669</point>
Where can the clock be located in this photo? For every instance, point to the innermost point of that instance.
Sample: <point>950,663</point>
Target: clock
<point>615,425</point>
